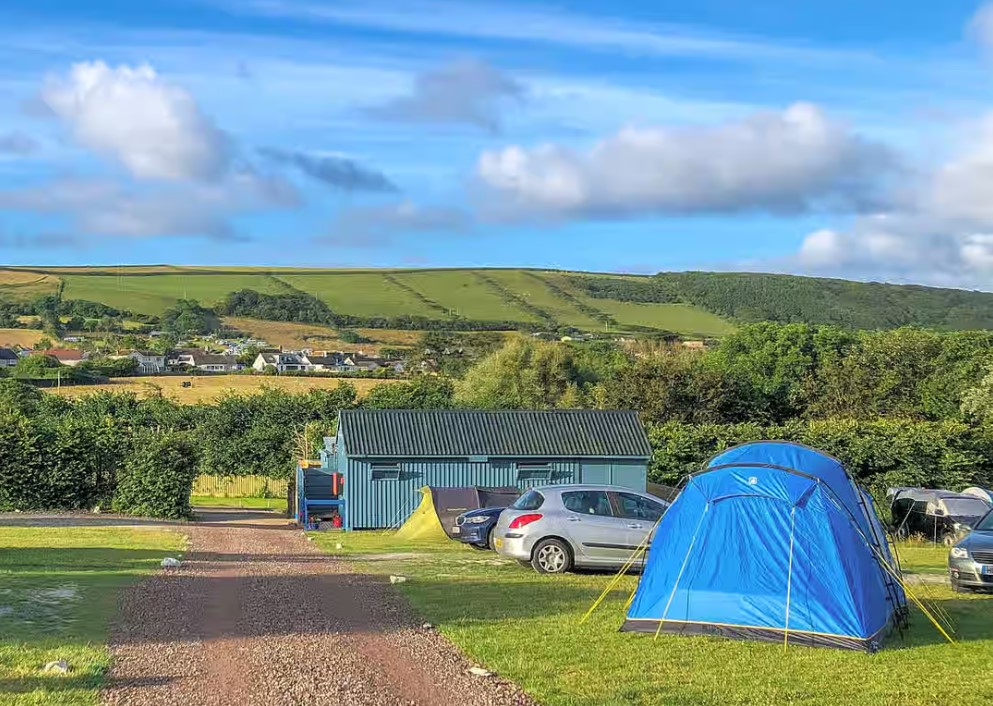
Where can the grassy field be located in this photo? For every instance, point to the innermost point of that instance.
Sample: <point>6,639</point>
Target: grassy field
<point>290,335</point>
<point>432,293</point>
<point>58,593</point>
<point>26,285</point>
<point>462,293</point>
<point>209,387</point>
<point>360,294</point>
<point>20,337</point>
<point>275,504</point>
<point>526,627</point>
<point>152,294</point>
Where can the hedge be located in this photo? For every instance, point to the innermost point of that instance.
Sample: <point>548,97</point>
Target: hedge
<point>157,476</point>
<point>879,453</point>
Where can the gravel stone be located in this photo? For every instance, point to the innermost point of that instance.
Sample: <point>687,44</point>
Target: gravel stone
<point>257,615</point>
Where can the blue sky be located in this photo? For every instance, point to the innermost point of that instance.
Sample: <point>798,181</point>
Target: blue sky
<point>835,138</point>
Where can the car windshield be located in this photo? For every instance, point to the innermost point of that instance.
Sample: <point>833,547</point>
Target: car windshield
<point>531,500</point>
<point>987,523</point>
<point>965,507</point>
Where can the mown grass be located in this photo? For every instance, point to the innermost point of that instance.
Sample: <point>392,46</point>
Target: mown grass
<point>15,284</point>
<point>274,504</point>
<point>58,594</point>
<point>206,388</point>
<point>526,627</point>
<point>462,293</point>
<point>153,294</point>
<point>361,294</point>
<point>535,291</point>
<point>20,337</point>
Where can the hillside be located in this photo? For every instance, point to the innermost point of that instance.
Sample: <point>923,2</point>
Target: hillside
<point>692,304</point>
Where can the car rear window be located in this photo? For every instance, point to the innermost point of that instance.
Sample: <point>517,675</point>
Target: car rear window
<point>531,500</point>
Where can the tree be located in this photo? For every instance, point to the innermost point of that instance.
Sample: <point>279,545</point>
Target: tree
<point>524,374</point>
<point>424,392</point>
<point>188,318</point>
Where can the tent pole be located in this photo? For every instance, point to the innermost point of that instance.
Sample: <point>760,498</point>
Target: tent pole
<point>789,580</point>
<point>682,568</point>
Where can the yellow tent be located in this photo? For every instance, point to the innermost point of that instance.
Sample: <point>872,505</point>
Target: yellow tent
<point>423,523</point>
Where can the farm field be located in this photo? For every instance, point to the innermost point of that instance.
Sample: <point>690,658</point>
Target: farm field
<point>361,294</point>
<point>206,388</point>
<point>19,285</point>
<point>20,337</point>
<point>684,319</point>
<point>533,288</point>
<point>525,627</point>
<point>58,593</point>
<point>153,294</point>
<point>290,335</point>
<point>463,293</point>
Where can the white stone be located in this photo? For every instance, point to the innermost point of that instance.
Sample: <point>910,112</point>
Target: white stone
<point>480,672</point>
<point>59,666</point>
<point>397,579</point>
<point>170,563</point>
<point>427,626</point>
<point>338,545</point>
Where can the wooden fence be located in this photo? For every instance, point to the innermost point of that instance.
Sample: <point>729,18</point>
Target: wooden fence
<point>239,487</point>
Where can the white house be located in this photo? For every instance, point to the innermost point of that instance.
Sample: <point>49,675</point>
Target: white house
<point>208,362</point>
<point>281,361</point>
<point>149,362</point>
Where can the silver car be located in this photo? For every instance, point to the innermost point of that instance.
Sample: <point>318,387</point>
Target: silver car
<point>557,527</point>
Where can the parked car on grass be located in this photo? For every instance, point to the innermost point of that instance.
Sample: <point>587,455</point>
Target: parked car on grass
<point>559,527</point>
<point>476,527</point>
<point>970,562</point>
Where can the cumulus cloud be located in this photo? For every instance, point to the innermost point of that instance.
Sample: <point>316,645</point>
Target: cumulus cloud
<point>980,27</point>
<point>98,207</point>
<point>791,161</point>
<point>17,144</point>
<point>374,225</point>
<point>466,92</point>
<point>939,230</point>
<point>336,172</point>
<point>152,127</point>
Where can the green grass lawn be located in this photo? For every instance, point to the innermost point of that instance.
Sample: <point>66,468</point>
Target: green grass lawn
<point>464,294</point>
<point>58,593</point>
<point>276,504</point>
<point>533,289</point>
<point>152,294</point>
<point>526,627</point>
<point>361,294</point>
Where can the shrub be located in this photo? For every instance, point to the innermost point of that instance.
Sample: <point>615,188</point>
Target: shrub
<point>157,477</point>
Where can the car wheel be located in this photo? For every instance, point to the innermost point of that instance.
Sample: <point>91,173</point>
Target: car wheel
<point>490,544</point>
<point>551,556</point>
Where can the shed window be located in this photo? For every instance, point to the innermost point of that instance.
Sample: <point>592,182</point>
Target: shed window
<point>534,471</point>
<point>386,471</point>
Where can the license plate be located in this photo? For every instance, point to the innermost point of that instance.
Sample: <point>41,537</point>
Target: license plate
<point>498,542</point>
<point>456,530</point>
<point>986,570</point>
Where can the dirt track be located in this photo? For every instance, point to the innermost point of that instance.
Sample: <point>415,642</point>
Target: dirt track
<point>257,615</point>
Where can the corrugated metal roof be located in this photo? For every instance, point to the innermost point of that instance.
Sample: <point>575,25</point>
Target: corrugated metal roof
<point>448,433</point>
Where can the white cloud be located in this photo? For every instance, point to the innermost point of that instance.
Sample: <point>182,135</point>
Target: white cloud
<point>465,91</point>
<point>103,208</point>
<point>980,27</point>
<point>791,161</point>
<point>155,129</point>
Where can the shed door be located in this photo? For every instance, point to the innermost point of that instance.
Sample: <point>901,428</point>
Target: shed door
<point>596,473</point>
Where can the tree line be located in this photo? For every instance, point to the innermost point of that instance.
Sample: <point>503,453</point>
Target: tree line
<point>901,407</point>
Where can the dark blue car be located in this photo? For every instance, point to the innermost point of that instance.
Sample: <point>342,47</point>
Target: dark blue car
<point>475,527</point>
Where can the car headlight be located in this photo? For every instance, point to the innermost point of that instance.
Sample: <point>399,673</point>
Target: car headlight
<point>960,553</point>
<point>477,520</point>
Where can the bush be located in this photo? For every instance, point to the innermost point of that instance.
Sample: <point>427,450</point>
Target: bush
<point>157,477</point>
<point>879,453</point>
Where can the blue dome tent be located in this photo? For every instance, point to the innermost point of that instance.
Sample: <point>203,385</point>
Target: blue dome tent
<point>771,541</point>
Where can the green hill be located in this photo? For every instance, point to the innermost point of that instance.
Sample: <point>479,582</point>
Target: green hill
<point>693,304</point>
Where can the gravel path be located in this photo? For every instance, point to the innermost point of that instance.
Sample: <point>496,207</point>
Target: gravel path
<point>257,615</point>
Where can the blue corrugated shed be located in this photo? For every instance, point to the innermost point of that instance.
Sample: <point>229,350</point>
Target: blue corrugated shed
<point>386,456</point>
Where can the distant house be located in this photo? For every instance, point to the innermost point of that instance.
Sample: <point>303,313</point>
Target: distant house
<point>282,362</point>
<point>8,358</point>
<point>149,362</point>
<point>67,356</point>
<point>208,362</point>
